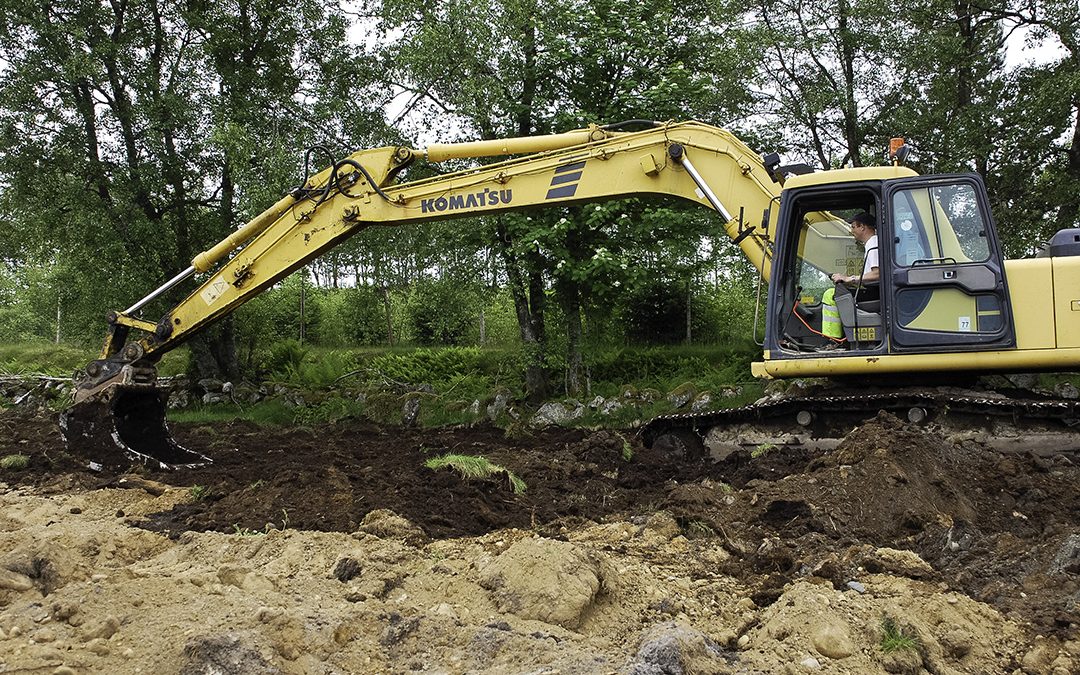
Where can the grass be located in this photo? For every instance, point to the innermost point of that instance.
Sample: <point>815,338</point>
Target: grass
<point>699,529</point>
<point>199,492</point>
<point>472,467</point>
<point>61,360</point>
<point>894,639</point>
<point>14,462</point>
<point>762,450</point>
<point>271,412</point>
<point>627,450</point>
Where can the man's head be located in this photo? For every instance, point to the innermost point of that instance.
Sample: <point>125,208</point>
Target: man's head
<point>863,226</point>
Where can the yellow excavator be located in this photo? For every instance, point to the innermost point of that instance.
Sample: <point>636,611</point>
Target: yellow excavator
<point>946,302</point>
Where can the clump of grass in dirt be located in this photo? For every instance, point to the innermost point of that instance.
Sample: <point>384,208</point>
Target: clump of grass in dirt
<point>470,467</point>
<point>762,450</point>
<point>14,462</point>
<point>198,492</point>
<point>627,450</point>
<point>893,637</point>
<point>699,529</point>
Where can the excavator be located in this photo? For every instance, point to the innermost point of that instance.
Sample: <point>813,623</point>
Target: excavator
<point>947,302</point>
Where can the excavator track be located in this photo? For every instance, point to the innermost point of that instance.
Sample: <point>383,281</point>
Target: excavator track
<point>821,420</point>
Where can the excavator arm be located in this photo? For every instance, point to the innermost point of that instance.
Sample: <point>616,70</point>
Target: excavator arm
<point>117,403</point>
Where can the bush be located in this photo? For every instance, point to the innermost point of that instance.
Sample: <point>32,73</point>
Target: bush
<point>433,366</point>
<point>442,311</point>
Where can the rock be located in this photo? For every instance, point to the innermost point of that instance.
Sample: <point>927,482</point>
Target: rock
<point>701,402</point>
<point>956,643</point>
<point>672,648</point>
<point>45,635</point>
<point>385,524</point>
<point>901,563</point>
<point>610,406</point>
<point>246,393</point>
<point>211,385</point>
<point>1038,660</point>
<point>64,670</point>
<point>13,581</point>
<point>346,569</point>
<point>557,414</point>
<point>99,646</point>
<point>109,627</point>
<point>743,642</point>
<point>1062,665</point>
<point>832,639</point>
<point>596,403</point>
<point>222,655</point>
<point>498,405</point>
<point>682,395</point>
<point>1067,390</point>
<point>474,408</point>
<point>856,586</point>
<point>1067,557</point>
<point>663,524</point>
<point>543,579</point>
<point>213,399</point>
<point>810,662</point>
<point>410,412</point>
<point>179,398</point>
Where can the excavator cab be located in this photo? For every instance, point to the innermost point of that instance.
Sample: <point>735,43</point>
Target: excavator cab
<point>942,281</point>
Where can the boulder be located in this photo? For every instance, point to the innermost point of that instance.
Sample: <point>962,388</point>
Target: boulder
<point>385,524</point>
<point>898,562</point>
<point>554,413</point>
<point>543,579</point>
<point>672,648</point>
<point>831,639</point>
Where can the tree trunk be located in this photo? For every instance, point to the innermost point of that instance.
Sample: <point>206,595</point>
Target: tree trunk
<point>575,369</point>
<point>529,302</point>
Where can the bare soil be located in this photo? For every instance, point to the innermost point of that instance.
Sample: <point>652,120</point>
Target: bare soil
<point>726,552</point>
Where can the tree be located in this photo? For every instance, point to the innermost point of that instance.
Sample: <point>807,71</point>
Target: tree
<point>141,133</point>
<point>519,68</point>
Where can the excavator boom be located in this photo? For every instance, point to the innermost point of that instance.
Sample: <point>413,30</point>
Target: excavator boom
<point>117,404</point>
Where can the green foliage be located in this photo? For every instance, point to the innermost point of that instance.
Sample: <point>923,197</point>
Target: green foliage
<point>473,467</point>
<point>893,637</point>
<point>699,529</point>
<point>14,462</point>
<point>285,359</point>
<point>442,311</point>
<point>762,450</point>
<point>433,366</point>
<point>199,492</point>
<point>333,409</point>
<point>666,367</point>
<point>271,412</point>
<point>627,450</point>
<point>43,357</point>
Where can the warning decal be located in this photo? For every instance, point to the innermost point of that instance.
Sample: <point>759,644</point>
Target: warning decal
<point>215,290</point>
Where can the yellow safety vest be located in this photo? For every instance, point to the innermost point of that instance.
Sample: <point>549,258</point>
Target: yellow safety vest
<point>830,315</point>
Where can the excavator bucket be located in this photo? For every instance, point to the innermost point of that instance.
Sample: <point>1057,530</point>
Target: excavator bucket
<point>125,424</point>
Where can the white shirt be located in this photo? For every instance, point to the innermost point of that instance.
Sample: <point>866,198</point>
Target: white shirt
<point>871,260</point>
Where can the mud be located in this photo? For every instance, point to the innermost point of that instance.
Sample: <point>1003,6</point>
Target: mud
<point>943,517</point>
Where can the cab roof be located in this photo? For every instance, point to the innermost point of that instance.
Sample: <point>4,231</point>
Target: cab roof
<point>863,173</point>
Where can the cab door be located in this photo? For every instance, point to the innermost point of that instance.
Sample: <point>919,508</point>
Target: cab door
<point>947,289</point>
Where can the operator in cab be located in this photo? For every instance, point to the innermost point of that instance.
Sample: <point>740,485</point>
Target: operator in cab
<point>864,286</point>
<point>864,229</point>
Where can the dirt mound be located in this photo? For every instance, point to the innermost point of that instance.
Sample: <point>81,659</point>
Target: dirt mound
<point>765,560</point>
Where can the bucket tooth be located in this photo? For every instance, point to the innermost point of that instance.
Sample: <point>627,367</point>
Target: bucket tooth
<point>125,424</point>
